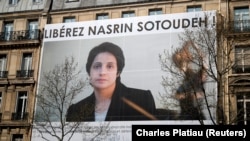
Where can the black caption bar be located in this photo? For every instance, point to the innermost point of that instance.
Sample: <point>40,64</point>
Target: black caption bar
<point>195,132</point>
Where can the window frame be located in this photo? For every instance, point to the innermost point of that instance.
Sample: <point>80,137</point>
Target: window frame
<point>17,137</point>
<point>24,104</point>
<point>37,1</point>
<point>194,8</point>
<point>242,59</point>
<point>241,19</point>
<point>3,65</point>
<point>1,101</point>
<point>13,2</point>
<point>128,14</point>
<point>25,56</point>
<point>33,29</point>
<point>102,16</point>
<point>8,29</point>
<point>71,19</point>
<point>243,108</point>
<point>155,11</point>
<point>68,1</point>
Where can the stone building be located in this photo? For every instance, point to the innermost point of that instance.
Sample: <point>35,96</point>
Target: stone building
<point>21,28</point>
<point>21,24</point>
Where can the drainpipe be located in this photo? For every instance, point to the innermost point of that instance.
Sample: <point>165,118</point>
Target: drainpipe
<point>47,9</point>
<point>48,15</point>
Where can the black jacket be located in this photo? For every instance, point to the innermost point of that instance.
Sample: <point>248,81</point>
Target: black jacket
<point>118,110</point>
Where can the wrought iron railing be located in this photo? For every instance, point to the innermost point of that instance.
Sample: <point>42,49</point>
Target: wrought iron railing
<point>20,35</point>
<point>239,26</point>
<point>241,69</point>
<point>3,74</point>
<point>19,116</point>
<point>25,73</point>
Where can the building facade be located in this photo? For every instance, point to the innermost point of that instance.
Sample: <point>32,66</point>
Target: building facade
<point>22,24</point>
<point>236,96</point>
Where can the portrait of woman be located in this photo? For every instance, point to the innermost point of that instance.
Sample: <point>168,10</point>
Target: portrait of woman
<point>111,100</point>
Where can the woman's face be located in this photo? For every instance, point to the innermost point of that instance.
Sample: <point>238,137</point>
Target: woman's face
<point>103,71</point>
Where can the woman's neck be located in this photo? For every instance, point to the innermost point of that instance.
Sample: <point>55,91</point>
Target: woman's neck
<point>103,99</point>
<point>104,94</point>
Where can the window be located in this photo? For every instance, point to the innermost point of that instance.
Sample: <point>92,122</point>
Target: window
<point>17,137</point>
<point>26,61</point>
<point>155,11</point>
<point>102,16</point>
<point>242,60</point>
<point>8,28</point>
<point>241,19</point>
<point>1,98</point>
<point>196,8</point>
<point>3,62</point>
<point>72,0</point>
<point>128,14</point>
<point>13,2</point>
<point>26,65</point>
<point>21,104</point>
<point>69,19</point>
<point>37,1</point>
<point>33,29</point>
<point>243,108</point>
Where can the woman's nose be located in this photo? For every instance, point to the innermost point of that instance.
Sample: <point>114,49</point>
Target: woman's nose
<point>103,70</point>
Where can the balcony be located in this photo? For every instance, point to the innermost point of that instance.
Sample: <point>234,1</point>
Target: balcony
<point>22,77</point>
<point>241,69</point>
<point>19,116</point>
<point>240,26</point>
<point>24,73</point>
<point>3,74</point>
<point>22,37</point>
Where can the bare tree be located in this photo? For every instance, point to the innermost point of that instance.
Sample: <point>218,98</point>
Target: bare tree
<point>57,90</point>
<point>204,48</point>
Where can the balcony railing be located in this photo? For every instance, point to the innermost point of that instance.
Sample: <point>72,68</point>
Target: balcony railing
<point>20,35</point>
<point>3,74</point>
<point>19,116</point>
<point>241,69</point>
<point>24,73</point>
<point>239,26</point>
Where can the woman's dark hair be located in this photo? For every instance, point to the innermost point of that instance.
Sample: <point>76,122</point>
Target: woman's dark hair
<point>106,47</point>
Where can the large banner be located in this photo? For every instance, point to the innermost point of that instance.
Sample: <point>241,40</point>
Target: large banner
<point>155,78</point>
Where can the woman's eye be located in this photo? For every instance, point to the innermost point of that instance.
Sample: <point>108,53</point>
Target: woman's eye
<point>110,66</point>
<point>96,66</point>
